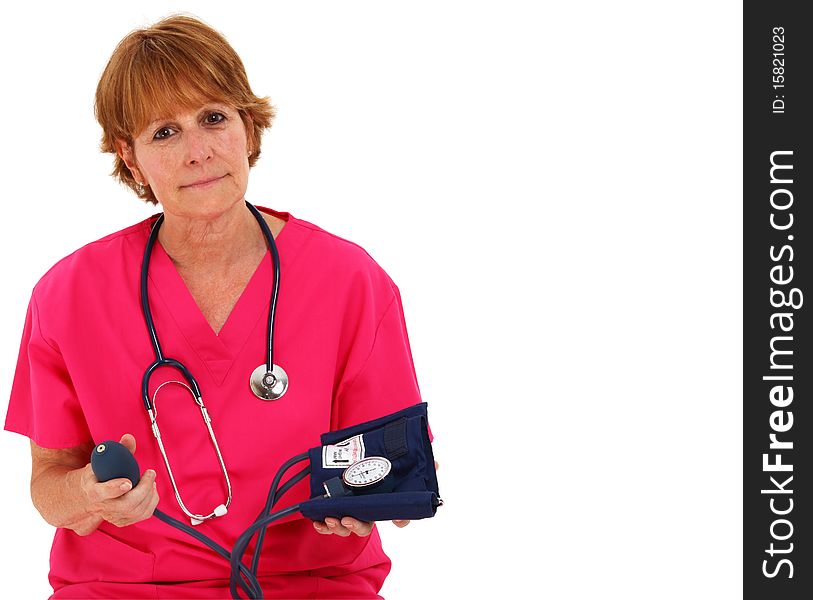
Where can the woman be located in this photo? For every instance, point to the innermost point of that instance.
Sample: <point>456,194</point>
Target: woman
<point>176,109</point>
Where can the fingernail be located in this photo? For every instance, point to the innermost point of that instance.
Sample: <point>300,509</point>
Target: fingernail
<point>331,524</point>
<point>348,525</point>
<point>125,487</point>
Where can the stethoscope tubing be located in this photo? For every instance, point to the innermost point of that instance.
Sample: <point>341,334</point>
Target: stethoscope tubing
<point>272,311</point>
<point>162,361</point>
<point>251,585</point>
<point>273,496</point>
<point>248,582</point>
<point>263,521</point>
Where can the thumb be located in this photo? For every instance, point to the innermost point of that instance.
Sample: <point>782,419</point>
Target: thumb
<point>128,441</point>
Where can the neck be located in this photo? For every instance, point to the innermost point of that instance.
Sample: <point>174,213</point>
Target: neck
<point>214,242</point>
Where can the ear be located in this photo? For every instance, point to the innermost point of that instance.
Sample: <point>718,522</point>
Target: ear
<point>125,152</point>
<point>248,124</point>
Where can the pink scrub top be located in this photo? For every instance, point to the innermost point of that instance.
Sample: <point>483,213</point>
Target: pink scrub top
<point>339,334</point>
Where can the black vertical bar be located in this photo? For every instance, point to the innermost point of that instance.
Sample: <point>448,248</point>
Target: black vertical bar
<point>778,224</point>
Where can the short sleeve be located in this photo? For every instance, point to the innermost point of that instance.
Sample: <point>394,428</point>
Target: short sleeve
<point>383,379</point>
<point>43,404</point>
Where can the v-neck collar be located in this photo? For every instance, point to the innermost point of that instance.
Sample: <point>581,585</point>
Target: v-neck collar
<point>168,292</point>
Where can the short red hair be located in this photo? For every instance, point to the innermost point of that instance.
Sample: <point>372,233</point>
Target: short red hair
<point>177,63</point>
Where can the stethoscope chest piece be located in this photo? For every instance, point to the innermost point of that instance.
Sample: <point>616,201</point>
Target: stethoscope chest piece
<point>269,385</point>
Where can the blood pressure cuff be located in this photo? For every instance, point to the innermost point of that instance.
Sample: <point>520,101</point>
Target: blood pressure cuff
<point>409,490</point>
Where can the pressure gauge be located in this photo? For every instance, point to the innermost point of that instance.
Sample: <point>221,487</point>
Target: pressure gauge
<point>366,472</point>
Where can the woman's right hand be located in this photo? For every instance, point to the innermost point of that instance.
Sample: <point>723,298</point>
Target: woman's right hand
<point>118,506</point>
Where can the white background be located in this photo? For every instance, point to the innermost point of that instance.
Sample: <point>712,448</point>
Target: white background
<point>556,189</point>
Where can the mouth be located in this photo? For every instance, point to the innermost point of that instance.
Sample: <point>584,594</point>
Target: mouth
<point>204,183</point>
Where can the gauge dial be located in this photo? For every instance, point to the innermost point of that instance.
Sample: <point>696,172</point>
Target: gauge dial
<point>368,471</point>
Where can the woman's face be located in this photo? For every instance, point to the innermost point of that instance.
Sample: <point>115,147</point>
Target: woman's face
<point>196,161</point>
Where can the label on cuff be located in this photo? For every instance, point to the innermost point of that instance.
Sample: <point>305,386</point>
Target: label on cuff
<point>343,454</point>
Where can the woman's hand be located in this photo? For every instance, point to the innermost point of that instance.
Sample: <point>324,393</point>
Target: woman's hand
<point>344,527</point>
<point>350,525</point>
<point>118,506</point>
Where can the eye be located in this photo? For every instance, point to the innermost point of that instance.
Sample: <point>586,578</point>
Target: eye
<point>166,132</point>
<point>158,133</point>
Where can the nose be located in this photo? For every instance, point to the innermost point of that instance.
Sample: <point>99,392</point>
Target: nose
<point>198,147</point>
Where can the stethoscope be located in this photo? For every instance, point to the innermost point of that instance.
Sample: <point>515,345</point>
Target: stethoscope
<point>268,381</point>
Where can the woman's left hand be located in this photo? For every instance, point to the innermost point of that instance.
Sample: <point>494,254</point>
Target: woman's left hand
<point>350,525</point>
<point>344,527</point>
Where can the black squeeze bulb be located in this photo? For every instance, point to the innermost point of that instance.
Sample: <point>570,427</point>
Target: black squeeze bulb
<point>110,460</point>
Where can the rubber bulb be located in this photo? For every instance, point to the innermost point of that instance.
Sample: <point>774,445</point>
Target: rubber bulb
<point>111,460</point>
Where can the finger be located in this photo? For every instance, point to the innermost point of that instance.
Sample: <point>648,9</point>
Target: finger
<point>147,506</point>
<point>143,489</point>
<point>146,484</point>
<point>98,493</point>
<point>115,488</point>
<point>142,505</point>
<point>360,528</point>
<point>336,527</point>
<point>437,466</point>
<point>321,527</point>
<point>154,499</point>
<point>129,442</point>
<point>401,522</point>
